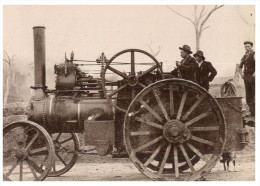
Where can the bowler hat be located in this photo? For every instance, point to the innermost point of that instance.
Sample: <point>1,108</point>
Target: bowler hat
<point>248,42</point>
<point>186,48</point>
<point>200,54</point>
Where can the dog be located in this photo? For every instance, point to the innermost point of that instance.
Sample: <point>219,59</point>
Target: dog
<point>228,157</point>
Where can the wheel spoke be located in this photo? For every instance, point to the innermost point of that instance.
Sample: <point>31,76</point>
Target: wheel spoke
<point>54,165</point>
<point>148,144</point>
<point>24,137</point>
<point>171,101</point>
<point>117,72</point>
<point>13,139</point>
<point>154,154</point>
<point>199,117</point>
<point>186,157</point>
<point>147,71</point>
<point>58,136</point>
<point>143,133</point>
<point>161,105</point>
<point>12,169</point>
<point>62,160</point>
<point>133,92</point>
<point>117,90</point>
<point>142,85</point>
<point>21,171</point>
<point>194,106</point>
<point>195,138</point>
<point>33,139</point>
<point>43,162</point>
<point>151,111</point>
<point>132,63</point>
<point>149,123</point>
<point>34,160</point>
<point>165,158</point>
<point>182,104</point>
<point>197,152</point>
<point>213,128</point>
<point>32,170</point>
<point>66,140</point>
<point>176,161</point>
<point>42,149</point>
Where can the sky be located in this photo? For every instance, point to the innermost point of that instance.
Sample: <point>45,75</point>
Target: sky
<point>90,30</point>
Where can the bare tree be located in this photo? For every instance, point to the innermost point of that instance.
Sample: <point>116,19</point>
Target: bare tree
<point>9,75</point>
<point>199,20</point>
<point>154,53</point>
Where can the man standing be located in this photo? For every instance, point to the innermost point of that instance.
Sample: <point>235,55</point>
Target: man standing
<point>186,69</point>
<point>205,71</point>
<point>248,62</point>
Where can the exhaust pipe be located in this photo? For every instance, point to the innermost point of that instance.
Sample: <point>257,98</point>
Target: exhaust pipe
<point>39,63</point>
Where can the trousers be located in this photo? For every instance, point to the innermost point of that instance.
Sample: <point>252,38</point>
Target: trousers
<point>250,92</point>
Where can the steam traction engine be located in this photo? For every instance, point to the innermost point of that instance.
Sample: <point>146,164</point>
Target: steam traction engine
<point>171,129</point>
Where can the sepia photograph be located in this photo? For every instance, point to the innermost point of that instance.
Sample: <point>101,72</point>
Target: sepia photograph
<point>128,92</point>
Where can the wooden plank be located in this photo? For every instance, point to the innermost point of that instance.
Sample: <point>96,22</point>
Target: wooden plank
<point>142,133</point>
<point>156,115</point>
<point>156,125</point>
<point>148,144</point>
<point>197,152</point>
<point>194,106</point>
<point>161,105</point>
<point>176,162</point>
<point>212,128</point>
<point>182,104</point>
<point>199,117</point>
<point>165,158</point>
<point>154,154</point>
<point>171,101</point>
<point>186,157</point>
<point>195,138</point>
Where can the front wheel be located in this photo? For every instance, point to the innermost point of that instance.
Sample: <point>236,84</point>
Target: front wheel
<point>26,146</point>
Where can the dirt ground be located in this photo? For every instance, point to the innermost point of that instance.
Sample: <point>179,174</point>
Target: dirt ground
<point>94,168</point>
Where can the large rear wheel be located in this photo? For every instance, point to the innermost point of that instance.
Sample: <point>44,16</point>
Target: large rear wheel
<point>170,123</point>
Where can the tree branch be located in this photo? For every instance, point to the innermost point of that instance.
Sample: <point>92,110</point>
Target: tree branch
<point>195,14</point>
<point>159,50</point>
<point>181,15</point>
<point>201,13</point>
<point>7,58</point>
<point>209,14</point>
<point>152,51</point>
<point>204,28</point>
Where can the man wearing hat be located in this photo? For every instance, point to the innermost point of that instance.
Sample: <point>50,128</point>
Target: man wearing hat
<point>248,62</point>
<point>205,71</point>
<point>186,69</point>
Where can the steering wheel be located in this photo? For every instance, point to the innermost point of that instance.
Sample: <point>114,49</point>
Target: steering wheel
<point>129,81</point>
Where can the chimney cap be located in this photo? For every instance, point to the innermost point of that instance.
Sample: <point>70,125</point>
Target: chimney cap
<point>39,27</point>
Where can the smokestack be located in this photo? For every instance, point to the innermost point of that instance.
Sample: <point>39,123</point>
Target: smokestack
<point>39,62</point>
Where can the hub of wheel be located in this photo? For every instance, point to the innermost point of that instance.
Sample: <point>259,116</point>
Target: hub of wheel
<point>57,145</point>
<point>21,154</point>
<point>176,132</point>
<point>132,80</point>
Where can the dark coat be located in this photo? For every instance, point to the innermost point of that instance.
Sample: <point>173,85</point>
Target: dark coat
<point>187,69</point>
<point>205,74</point>
<point>248,61</point>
